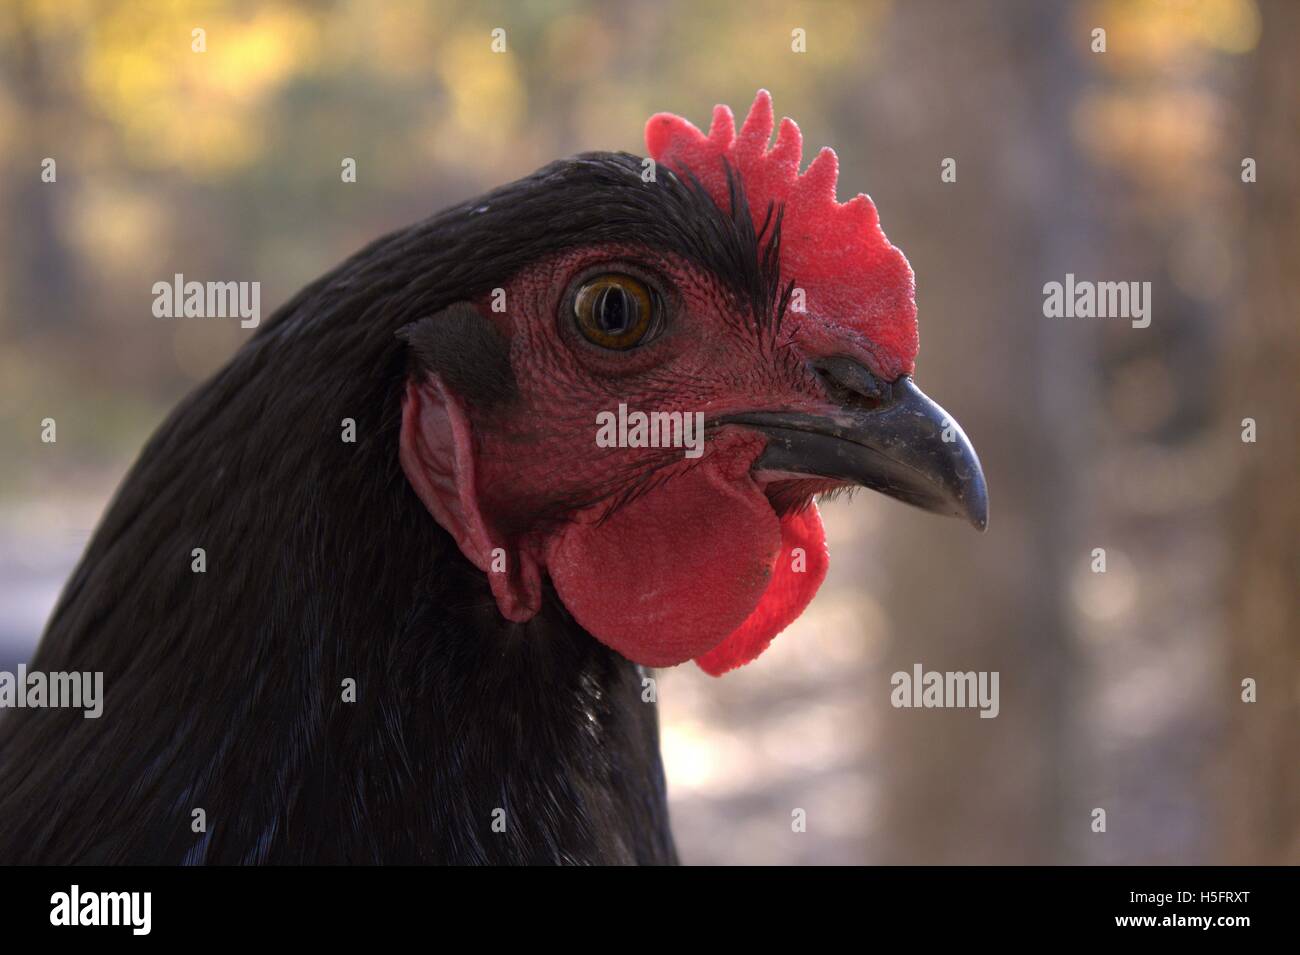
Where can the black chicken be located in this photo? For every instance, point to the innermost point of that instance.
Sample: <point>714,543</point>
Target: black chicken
<point>490,576</point>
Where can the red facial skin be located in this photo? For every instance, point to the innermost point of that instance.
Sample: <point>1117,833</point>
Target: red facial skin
<point>673,573</point>
<point>662,557</point>
<point>707,358</point>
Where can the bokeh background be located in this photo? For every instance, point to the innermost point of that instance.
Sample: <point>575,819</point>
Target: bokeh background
<point>1119,690</point>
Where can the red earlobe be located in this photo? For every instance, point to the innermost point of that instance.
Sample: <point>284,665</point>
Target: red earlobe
<point>437,454</point>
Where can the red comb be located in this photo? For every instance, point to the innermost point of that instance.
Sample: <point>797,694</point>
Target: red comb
<point>853,279</point>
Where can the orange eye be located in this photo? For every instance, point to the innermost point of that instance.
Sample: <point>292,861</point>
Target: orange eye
<point>614,311</point>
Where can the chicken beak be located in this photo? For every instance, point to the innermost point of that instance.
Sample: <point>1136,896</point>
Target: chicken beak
<point>897,442</point>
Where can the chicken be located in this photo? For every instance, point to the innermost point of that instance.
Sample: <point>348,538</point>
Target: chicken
<point>431,644</point>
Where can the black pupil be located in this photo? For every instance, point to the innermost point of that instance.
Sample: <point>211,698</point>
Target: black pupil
<point>615,310</point>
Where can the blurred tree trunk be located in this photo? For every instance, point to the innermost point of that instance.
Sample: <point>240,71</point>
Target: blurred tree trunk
<point>42,273</point>
<point>960,789</point>
<point>1261,789</point>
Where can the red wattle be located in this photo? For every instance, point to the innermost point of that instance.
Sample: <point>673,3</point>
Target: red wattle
<point>699,568</point>
<point>668,577</point>
<point>795,580</point>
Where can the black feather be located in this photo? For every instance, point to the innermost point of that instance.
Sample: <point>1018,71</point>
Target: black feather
<point>223,689</point>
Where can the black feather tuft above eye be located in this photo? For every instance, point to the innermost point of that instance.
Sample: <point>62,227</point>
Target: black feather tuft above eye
<point>615,311</point>
<point>466,350</point>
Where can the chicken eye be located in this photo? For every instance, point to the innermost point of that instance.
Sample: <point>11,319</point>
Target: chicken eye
<point>614,311</point>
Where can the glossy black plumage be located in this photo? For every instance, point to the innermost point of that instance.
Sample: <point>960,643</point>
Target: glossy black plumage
<point>223,689</point>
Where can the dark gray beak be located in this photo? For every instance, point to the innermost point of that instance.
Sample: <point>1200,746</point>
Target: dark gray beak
<point>887,436</point>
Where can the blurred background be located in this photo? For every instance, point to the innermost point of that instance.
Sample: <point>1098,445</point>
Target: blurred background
<point>1119,690</point>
